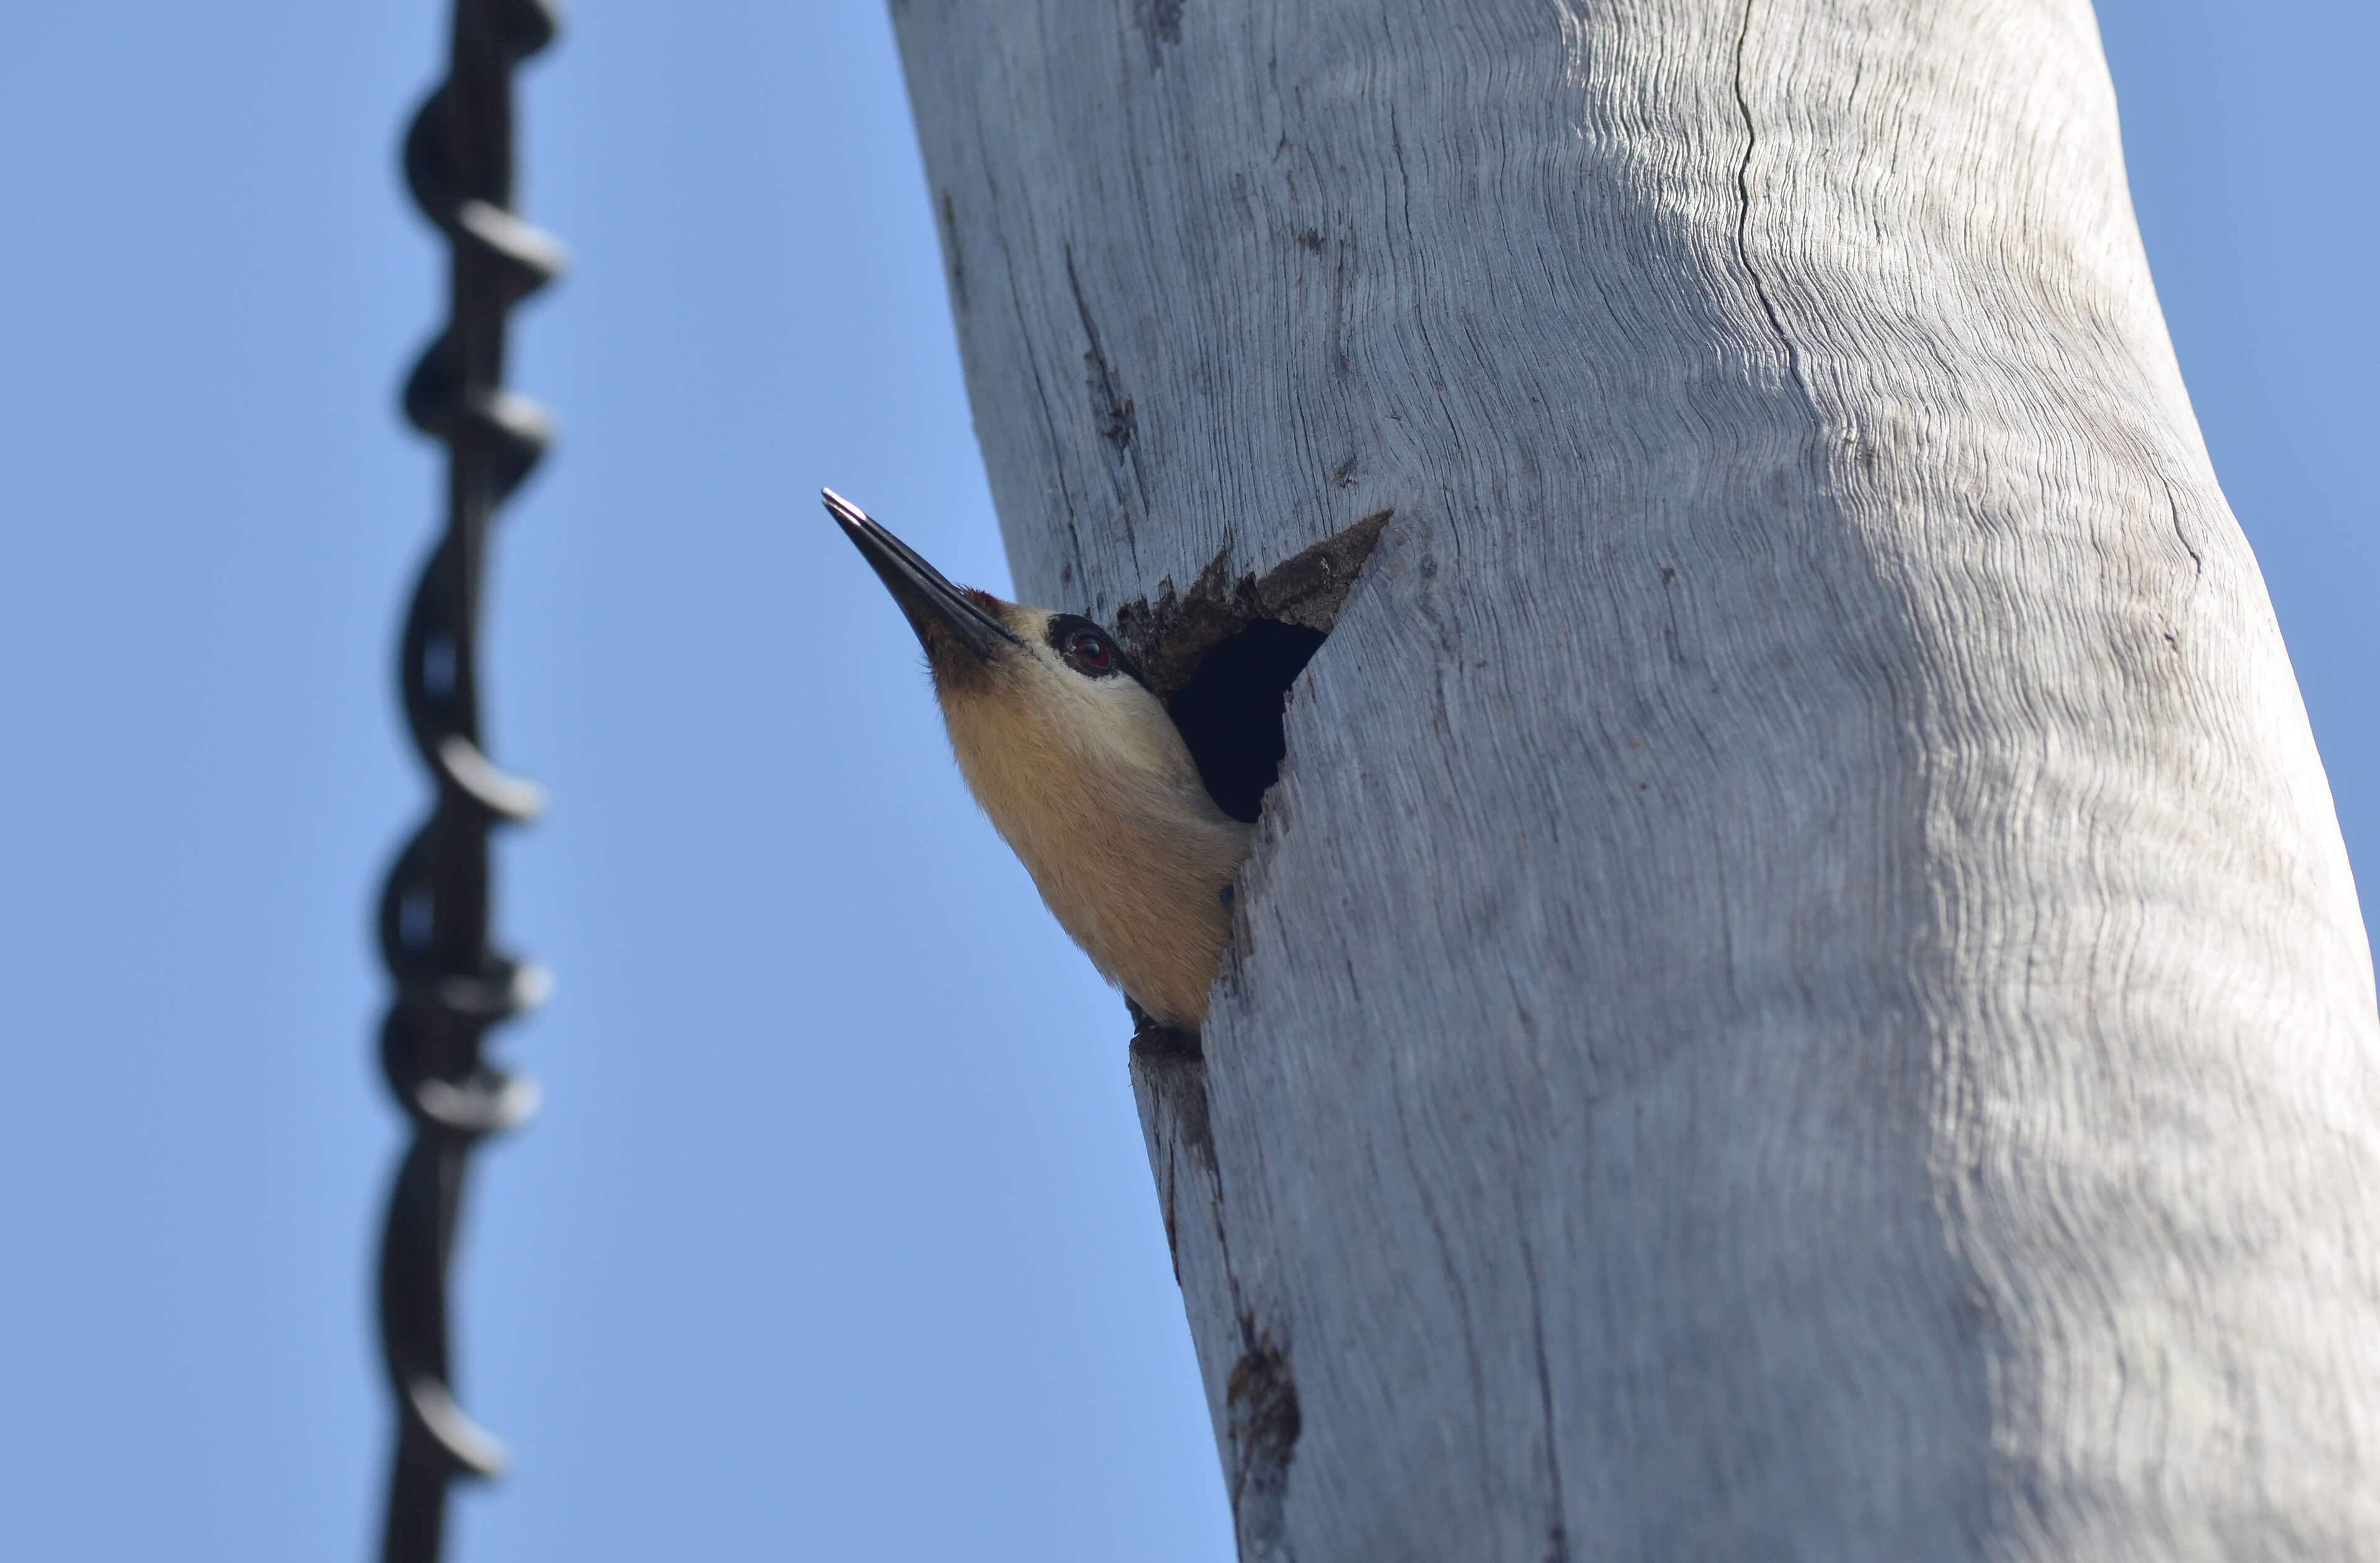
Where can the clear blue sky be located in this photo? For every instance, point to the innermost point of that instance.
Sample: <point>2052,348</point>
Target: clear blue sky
<point>835,1239</point>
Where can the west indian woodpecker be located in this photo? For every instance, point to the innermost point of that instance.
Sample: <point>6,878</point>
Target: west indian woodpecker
<point>1082,773</point>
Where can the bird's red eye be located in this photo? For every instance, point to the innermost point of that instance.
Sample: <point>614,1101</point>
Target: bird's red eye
<point>1090,650</point>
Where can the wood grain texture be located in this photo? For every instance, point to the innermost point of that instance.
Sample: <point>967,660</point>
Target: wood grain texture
<point>1799,995</point>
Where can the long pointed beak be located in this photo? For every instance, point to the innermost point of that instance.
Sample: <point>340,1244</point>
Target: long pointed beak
<point>929,599</point>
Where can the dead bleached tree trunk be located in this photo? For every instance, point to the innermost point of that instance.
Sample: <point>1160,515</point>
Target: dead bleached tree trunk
<point>1799,994</point>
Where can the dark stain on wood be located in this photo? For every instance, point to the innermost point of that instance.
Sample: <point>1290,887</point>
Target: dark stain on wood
<point>1261,1403</point>
<point>957,258</point>
<point>1160,23</point>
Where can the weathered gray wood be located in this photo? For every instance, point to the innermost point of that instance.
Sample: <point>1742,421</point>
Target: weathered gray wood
<point>1799,995</point>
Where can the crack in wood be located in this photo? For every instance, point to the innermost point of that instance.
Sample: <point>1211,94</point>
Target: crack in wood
<point>1113,414</point>
<point>1743,211</point>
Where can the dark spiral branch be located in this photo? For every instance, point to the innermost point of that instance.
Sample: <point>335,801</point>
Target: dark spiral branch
<point>452,984</point>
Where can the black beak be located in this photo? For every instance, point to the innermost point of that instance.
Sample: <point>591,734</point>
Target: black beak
<point>932,604</point>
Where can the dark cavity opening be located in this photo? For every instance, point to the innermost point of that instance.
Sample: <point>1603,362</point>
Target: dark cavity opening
<point>1230,712</point>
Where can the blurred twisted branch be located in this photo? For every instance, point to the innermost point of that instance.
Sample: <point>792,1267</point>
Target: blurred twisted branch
<point>452,983</point>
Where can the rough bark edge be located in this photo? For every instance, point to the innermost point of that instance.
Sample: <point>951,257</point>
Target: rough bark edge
<point>1255,1407</point>
<point>1168,636</point>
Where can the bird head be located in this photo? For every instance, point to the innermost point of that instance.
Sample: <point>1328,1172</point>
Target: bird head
<point>1081,771</point>
<point>1018,677</point>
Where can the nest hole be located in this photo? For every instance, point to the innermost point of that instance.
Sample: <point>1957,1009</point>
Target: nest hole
<point>1230,711</point>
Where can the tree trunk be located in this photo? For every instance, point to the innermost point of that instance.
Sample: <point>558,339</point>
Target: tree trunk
<point>1798,994</point>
